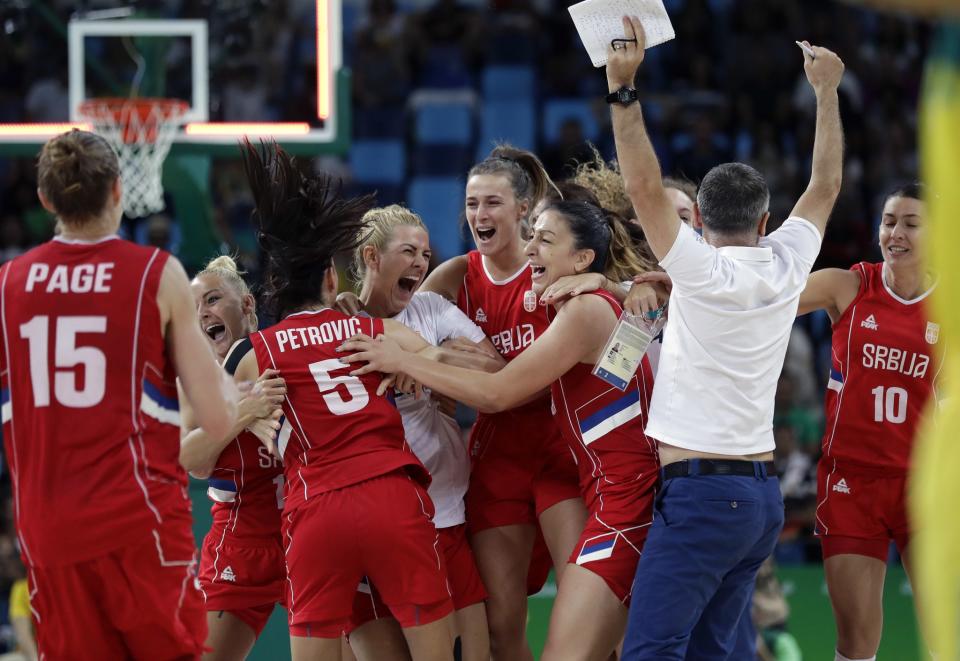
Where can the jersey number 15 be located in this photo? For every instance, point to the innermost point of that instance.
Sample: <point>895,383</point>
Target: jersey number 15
<point>67,357</point>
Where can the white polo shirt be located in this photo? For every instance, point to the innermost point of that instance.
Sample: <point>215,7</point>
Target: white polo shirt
<point>731,311</point>
<point>434,436</point>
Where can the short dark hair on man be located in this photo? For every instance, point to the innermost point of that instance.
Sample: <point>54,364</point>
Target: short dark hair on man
<point>732,198</point>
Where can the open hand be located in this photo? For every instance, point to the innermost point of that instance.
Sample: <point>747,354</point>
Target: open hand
<point>572,285</point>
<point>623,62</point>
<point>381,355</point>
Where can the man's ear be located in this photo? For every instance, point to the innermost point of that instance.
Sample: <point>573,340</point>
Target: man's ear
<point>762,227</point>
<point>697,218</point>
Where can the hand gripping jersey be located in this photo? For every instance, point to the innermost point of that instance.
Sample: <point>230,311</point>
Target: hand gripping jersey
<point>341,432</point>
<point>604,426</point>
<point>883,373</point>
<point>90,414</point>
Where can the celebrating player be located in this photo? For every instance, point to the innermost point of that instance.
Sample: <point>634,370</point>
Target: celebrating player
<point>603,425</point>
<point>242,571</point>
<point>522,473</point>
<point>883,375</point>
<point>356,502</point>
<point>391,262</point>
<point>95,331</point>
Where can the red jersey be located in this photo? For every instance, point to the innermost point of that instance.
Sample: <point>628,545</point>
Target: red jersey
<point>883,373</point>
<point>246,488</point>
<point>508,311</point>
<point>341,432</point>
<point>604,425</point>
<point>90,413</point>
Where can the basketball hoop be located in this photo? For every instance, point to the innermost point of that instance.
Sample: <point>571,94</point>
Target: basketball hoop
<point>141,130</point>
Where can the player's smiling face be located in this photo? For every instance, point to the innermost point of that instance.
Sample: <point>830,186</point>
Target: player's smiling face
<point>221,308</point>
<point>902,232</point>
<point>552,251</point>
<point>400,267</point>
<point>493,213</point>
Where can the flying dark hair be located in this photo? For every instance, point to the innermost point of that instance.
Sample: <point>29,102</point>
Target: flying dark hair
<point>302,221</point>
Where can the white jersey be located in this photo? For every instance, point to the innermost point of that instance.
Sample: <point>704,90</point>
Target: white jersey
<point>433,436</point>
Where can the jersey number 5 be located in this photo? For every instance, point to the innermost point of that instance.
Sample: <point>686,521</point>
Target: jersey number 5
<point>328,385</point>
<point>67,356</point>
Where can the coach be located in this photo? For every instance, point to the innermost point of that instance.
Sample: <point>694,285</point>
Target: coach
<point>734,299</point>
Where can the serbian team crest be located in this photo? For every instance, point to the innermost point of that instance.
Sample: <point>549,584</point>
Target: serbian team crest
<point>530,301</point>
<point>933,332</point>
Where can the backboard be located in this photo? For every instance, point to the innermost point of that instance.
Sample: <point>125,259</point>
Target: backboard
<point>222,71</point>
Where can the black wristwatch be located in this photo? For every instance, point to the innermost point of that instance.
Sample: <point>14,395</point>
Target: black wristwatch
<point>624,96</point>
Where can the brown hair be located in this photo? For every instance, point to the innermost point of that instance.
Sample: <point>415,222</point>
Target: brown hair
<point>526,174</point>
<point>76,171</point>
<point>606,182</point>
<point>378,229</point>
<point>225,267</point>
<point>683,185</point>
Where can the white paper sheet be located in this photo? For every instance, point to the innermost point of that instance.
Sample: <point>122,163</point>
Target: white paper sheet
<point>600,21</point>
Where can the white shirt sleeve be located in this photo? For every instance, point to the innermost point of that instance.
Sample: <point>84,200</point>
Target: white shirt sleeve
<point>691,261</point>
<point>800,237</point>
<point>451,322</point>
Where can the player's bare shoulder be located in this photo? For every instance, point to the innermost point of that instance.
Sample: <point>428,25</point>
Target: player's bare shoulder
<point>447,278</point>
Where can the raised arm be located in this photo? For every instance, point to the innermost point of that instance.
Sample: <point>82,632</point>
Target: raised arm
<point>638,162</point>
<point>829,289</point>
<point>209,390</point>
<point>824,72</point>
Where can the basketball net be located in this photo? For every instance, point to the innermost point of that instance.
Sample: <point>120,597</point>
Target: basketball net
<point>141,131</point>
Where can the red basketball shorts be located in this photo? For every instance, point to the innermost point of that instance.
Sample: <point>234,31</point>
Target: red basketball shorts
<point>860,511</point>
<point>139,602</point>
<point>462,575</point>
<point>521,467</point>
<point>617,526</point>
<point>244,578</point>
<point>380,528</point>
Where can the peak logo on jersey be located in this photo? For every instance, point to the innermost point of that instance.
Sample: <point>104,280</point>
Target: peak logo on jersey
<point>228,575</point>
<point>841,486</point>
<point>480,317</point>
<point>869,323</point>
<point>529,300</point>
<point>933,333</point>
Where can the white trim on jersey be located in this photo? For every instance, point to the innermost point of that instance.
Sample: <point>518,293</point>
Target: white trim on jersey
<point>136,343</point>
<point>508,279</point>
<point>85,242</point>
<point>12,462</point>
<point>283,437</point>
<point>6,412</point>
<point>158,411</point>
<point>845,374</point>
<point>912,301</point>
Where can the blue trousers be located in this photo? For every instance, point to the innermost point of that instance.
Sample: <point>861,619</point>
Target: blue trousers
<point>696,575</point>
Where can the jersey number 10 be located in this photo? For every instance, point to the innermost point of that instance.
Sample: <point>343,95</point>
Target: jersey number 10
<point>889,404</point>
<point>67,356</point>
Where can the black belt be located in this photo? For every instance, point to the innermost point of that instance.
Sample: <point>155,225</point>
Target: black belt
<point>687,467</point>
